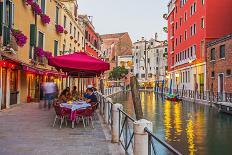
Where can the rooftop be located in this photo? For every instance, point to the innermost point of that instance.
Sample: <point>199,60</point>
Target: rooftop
<point>115,35</point>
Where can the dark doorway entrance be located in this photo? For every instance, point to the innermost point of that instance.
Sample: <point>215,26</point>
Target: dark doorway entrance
<point>13,87</point>
<point>4,80</point>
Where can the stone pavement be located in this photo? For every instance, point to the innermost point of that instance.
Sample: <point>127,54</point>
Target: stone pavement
<point>27,130</point>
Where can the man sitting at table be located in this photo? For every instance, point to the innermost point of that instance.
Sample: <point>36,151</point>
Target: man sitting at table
<point>92,98</point>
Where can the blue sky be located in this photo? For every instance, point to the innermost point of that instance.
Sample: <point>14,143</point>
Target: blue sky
<point>138,17</point>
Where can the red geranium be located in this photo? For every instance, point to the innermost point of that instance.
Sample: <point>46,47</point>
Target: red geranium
<point>20,38</point>
<point>36,8</point>
<point>59,29</point>
<point>45,18</point>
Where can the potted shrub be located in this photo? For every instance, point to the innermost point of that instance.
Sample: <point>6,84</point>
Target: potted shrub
<point>59,29</point>
<point>20,38</point>
<point>75,41</point>
<point>71,37</point>
<point>36,8</point>
<point>45,18</point>
<point>29,2</point>
<point>65,32</point>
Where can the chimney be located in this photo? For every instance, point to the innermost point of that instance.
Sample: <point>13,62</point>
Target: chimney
<point>156,36</point>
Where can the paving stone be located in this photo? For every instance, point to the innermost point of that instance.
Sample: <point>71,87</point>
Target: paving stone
<point>27,130</point>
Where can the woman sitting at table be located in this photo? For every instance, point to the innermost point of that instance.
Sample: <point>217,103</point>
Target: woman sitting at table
<point>74,93</point>
<point>65,95</point>
<point>92,98</point>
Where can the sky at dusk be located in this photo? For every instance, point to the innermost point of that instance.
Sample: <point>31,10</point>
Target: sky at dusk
<point>138,17</point>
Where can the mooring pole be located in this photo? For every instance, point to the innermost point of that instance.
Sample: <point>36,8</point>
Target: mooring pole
<point>136,97</point>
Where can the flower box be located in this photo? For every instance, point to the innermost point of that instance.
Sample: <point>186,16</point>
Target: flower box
<point>39,51</point>
<point>20,38</point>
<point>36,8</point>
<point>45,18</point>
<point>29,2</point>
<point>59,29</point>
<point>47,54</point>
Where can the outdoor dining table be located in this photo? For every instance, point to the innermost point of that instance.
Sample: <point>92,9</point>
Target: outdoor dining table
<point>73,107</point>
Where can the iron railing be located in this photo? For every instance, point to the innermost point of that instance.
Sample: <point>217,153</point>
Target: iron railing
<point>155,145</point>
<point>126,134</point>
<point>199,95</point>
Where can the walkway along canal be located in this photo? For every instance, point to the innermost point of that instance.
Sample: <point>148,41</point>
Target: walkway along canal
<point>190,128</point>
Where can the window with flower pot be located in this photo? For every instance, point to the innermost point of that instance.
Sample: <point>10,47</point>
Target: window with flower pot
<point>7,20</point>
<point>41,43</point>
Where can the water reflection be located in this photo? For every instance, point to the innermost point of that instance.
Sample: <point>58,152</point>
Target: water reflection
<point>190,128</point>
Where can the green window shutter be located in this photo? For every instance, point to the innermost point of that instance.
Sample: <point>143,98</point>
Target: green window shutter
<point>1,18</point>
<point>57,15</point>
<point>33,31</point>
<point>43,6</point>
<point>55,48</point>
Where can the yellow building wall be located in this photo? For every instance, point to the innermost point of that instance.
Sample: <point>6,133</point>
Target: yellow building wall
<point>66,37</point>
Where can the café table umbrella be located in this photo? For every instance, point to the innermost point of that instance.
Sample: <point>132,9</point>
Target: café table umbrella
<point>79,63</point>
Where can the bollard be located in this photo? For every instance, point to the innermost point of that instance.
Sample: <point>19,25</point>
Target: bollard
<point>106,114</point>
<point>115,122</point>
<point>102,104</point>
<point>141,137</point>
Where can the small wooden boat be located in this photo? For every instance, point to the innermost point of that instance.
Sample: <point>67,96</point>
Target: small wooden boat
<point>225,107</point>
<point>174,98</point>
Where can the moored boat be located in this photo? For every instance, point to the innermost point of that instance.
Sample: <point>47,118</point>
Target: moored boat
<point>225,107</point>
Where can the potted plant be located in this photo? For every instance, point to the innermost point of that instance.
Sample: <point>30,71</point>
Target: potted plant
<point>75,41</point>
<point>29,2</point>
<point>45,18</point>
<point>20,38</point>
<point>36,8</point>
<point>59,29</point>
<point>71,37</point>
<point>39,51</point>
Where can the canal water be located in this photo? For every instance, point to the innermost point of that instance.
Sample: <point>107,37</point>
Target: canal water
<point>188,127</point>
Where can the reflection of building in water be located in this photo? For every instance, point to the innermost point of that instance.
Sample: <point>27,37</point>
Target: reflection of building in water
<point>167,120</point>
<point>190,136</point>
<point>177,119</point>
<point>199,127</point>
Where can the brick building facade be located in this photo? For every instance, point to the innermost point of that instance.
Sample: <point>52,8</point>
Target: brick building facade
<point>219,65</point>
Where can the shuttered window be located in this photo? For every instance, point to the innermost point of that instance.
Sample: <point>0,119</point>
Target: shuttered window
<point>57,15</point>
<point>43,6</point>
<point>33,34</point>
<point>40,40</point>
<point>55,48</point>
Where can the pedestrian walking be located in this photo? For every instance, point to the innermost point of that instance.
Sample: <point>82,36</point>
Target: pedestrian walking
<point>49,92</point>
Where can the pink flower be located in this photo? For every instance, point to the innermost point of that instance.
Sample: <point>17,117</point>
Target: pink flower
<point>36,8</point>
<point>45,18</point>
<point>39,51</point>
<point>59,29</point>
<point>47,54</point>
<point>20,38</point>
<point>29,2</point>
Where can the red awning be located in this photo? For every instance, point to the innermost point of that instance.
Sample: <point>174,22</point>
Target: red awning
<point>79,62</point>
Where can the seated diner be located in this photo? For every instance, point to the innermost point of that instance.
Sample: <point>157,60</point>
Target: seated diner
<point>91,98</point>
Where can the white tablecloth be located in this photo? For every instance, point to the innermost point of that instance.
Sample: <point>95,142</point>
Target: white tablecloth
<point>76,105</point>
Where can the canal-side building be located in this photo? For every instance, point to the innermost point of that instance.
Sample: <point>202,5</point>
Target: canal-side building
<point>191,25</point>
<point>150,60</point>
<point>92,39</point>
<point>27,42</point>
<point>114,45</point>
<point>73,37</point>
<point>219,65</point>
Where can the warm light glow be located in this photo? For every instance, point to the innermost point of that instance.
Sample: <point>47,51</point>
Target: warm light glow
<point>190,61</point>
<point>190,136</point>
<point>167,120</point>
<point>167,76</point>
<point>177,119</point>
<point>177,75</point>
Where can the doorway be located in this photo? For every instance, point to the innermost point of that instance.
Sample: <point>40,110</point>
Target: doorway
<point>4,79</point>
<point>13,87</point>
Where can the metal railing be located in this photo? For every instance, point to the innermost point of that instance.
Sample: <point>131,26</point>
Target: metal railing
<point>126,133</point>
<point>154,142</point>
<point>199,95</point>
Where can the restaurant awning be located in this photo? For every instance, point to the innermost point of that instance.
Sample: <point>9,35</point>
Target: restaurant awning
<point>79,64</point>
